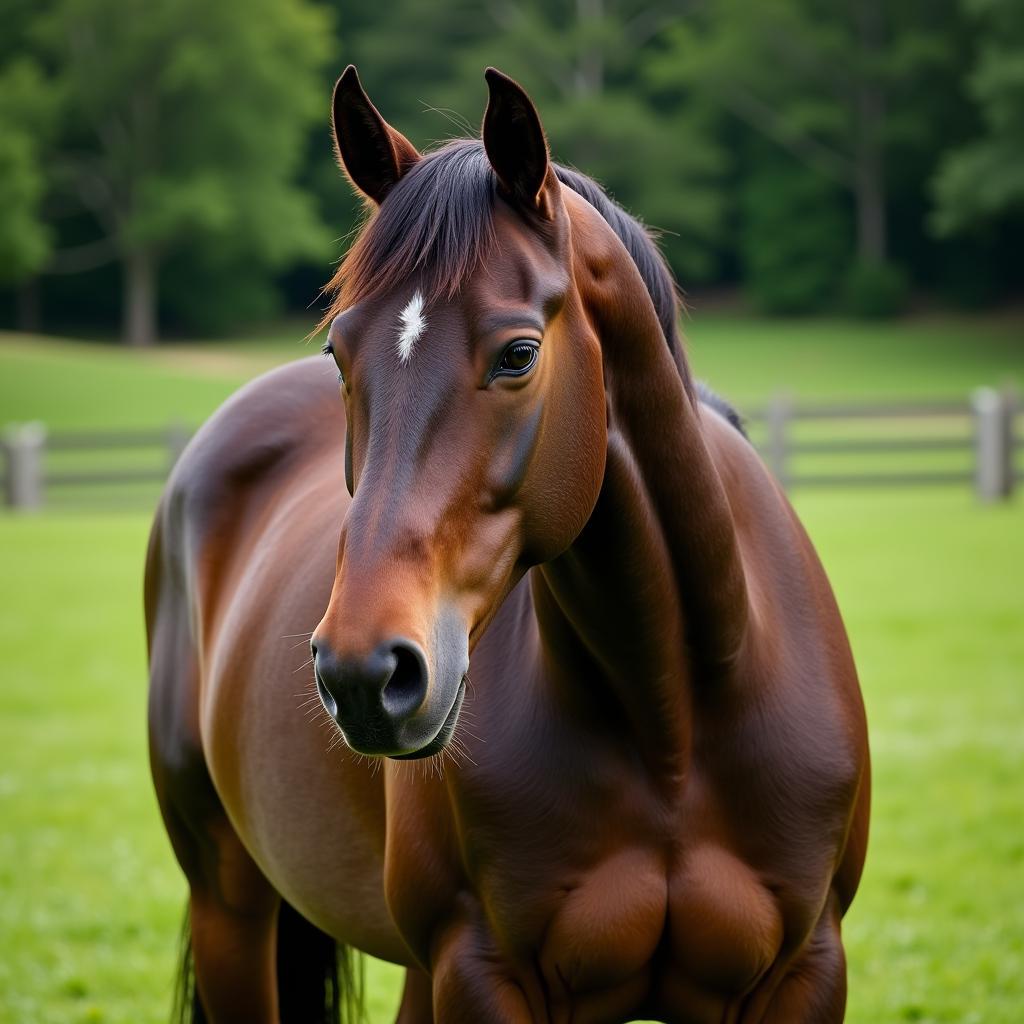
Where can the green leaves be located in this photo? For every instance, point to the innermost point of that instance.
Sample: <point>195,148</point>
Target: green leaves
<point>985,178</point>
<point>176,125</point>
<point>197,131</point>
<point>26,113</point>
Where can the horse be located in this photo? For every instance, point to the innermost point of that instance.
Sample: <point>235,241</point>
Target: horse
<point>583,738</point>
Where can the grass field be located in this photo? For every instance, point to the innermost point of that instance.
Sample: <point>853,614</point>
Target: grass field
<point>932,587</point>
<point>78,385</point>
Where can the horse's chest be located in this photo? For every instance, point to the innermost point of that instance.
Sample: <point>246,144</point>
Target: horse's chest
<point>724,926</point>
<point>606,928</point>
<point>707,924</point>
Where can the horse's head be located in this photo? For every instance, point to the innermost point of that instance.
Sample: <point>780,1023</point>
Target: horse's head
<point>472,381</point>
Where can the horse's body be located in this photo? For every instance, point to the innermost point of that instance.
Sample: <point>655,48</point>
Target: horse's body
<point>656,805</point>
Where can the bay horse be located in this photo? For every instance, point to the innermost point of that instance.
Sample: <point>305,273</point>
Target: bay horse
<point>595,748</point>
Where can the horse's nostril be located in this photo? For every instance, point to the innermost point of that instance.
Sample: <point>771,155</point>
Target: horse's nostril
<point>326,697</point>
<point>407,686</point>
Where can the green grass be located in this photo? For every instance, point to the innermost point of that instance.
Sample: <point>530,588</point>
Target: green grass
<point>85,384</point>
<point>824,359</point>
<point>930,585</point>
<point>81,384</point>
<point>933,598</point>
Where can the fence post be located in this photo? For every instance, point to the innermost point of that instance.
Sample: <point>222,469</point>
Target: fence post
<point>177,438</point>
<point>993,444</point>
<point>780,412</point>
<point>1011,406</point>
<point>24,446</point>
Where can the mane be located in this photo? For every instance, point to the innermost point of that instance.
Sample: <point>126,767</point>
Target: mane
<point>438,222</point>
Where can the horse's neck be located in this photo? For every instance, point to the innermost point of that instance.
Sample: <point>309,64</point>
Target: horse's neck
<point>651,599</point>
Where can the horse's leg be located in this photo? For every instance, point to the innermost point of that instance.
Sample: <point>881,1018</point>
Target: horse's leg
<point>813,990</point>
<point>470,986</point>
<point>232,908</point>
<point>417,1006</point>
<point>232,918</point>
<point>233,914</point>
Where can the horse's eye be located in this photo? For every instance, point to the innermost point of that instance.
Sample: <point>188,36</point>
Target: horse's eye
<point>517,359</point>
<point>328,350</point>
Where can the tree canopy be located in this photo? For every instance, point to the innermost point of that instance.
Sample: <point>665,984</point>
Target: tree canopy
<point>179,123</point>
<point>810,154</point>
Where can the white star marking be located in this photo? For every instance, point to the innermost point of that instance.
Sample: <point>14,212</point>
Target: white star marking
<point>414,323</point>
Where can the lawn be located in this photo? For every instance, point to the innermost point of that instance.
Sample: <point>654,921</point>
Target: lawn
<point>78,384</point>
<point>930,584</point>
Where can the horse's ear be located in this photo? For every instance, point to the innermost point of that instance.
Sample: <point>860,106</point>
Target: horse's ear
<point>515,142</point>
<point>370,151</point>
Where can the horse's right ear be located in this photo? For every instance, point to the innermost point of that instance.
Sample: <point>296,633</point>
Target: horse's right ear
<point>515,143</point>
<point>370,151</point>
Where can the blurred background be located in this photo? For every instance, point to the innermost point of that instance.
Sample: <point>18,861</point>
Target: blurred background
<point>839,187</point>
<point>164,168</point>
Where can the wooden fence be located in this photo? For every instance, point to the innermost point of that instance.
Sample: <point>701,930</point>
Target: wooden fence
<point>972,441</point>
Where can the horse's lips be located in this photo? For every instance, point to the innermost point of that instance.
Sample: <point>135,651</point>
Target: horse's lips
<point>444,734</point>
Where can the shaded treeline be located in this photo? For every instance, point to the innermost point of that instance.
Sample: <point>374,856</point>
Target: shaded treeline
<point>167,165</point>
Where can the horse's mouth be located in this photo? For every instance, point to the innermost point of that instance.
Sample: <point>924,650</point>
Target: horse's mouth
<point>444,734</point>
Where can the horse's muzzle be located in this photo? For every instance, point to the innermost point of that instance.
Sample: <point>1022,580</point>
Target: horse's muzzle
<point>389,702</point>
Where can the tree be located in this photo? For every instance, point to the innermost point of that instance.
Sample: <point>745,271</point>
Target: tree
<point>26,107</point>
<point>985,178</point>
<point>183,123</point>
<point>585,63</point>
<point>793,233</point>
<point>842,89</point>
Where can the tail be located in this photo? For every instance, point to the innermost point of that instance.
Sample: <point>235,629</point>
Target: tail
<point>318,981</point>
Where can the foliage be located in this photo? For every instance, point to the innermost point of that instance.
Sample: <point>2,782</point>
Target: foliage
<point>182,125</point>
<point>26,108</point>
<point>986,177</point>
<point>187,139</point>
<point>847,92</point>
<point>793,236</point>
<point>874,289</point>
<point>608,106</point>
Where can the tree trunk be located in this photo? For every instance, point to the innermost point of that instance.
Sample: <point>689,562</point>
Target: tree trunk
<point>139,320</point>
<point>871,217</point>
<point>869,162</point>
<point>29,319</point>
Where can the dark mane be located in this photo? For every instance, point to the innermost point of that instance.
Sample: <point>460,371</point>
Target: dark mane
<point>654,271</point>
<point>438,221</point>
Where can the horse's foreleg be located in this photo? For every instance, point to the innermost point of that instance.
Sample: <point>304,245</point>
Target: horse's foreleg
<point>813,990</point>
<point>232,908</point>
<point>417,1006</point>
<point>233,915</point>
<point>470,986</point>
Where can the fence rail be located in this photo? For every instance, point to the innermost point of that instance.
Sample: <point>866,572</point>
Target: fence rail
<point>883,444</point>
<point>872,444</point>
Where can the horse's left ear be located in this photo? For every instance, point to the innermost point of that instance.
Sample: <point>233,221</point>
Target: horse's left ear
<point>515,143</point>
<point>372,153</point>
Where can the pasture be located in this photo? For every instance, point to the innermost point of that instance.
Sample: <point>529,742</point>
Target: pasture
<point>930,584</point>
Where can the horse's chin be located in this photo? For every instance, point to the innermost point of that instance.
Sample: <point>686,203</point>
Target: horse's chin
<point>444,734</point>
